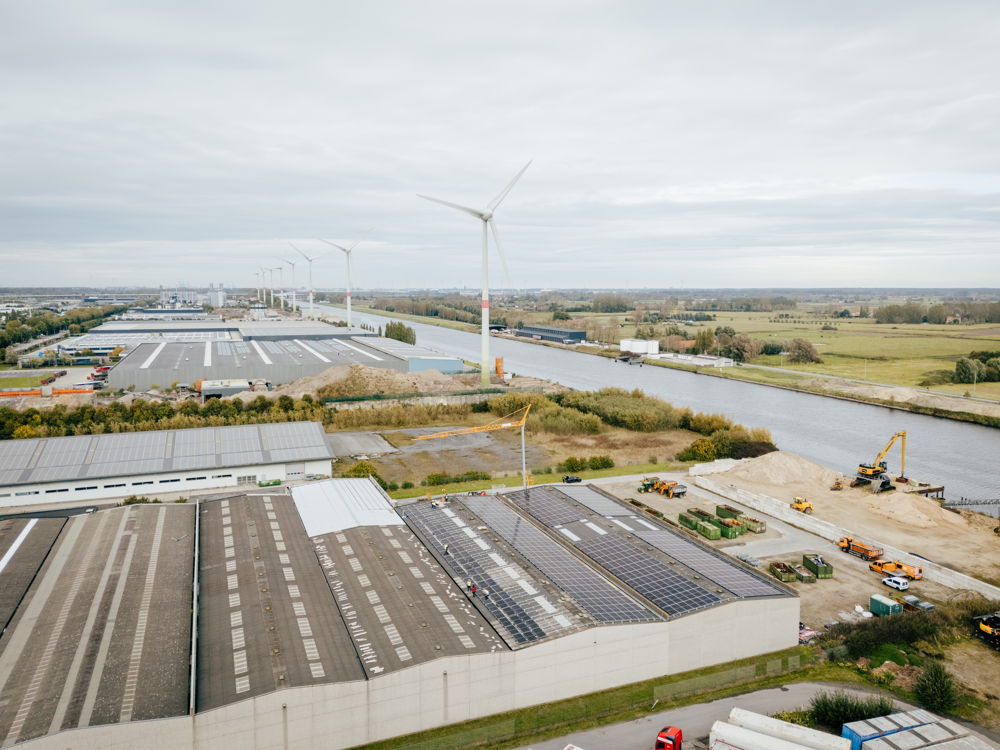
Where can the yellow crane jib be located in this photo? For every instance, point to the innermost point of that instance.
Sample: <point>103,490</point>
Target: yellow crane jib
<point>878,467</point>
<point>503,423</point>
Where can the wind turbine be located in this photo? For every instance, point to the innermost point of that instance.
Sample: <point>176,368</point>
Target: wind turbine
<point>292,264</point>
<point>272,270</point>
<point>267,286</point>
<point>281,283</point>
<point>347,251</point>
<point>486,216</point>
<point>312,310</point>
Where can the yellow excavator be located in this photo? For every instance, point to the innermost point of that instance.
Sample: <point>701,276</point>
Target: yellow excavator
<point>877,471</point>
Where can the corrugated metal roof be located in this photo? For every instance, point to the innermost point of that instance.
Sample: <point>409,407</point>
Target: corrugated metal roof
<point>338,504</point>
<point>125,454</point>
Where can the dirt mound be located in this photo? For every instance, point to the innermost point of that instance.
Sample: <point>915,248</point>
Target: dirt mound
<point>781,467</point>
<point>358,380</point>
<point>914,510</point>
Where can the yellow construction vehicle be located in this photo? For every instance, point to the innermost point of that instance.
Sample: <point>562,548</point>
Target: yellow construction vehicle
<point>877,471</point>
<point>987,627</point>
<point>838,484</point>
<point>802,505</point>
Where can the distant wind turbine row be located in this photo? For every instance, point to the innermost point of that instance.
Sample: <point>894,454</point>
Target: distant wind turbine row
<point>485,215</point>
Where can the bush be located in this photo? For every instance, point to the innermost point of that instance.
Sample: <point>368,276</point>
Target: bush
<point>833,710</point>
<point>631,410</point>
<point>601,462</point>
<point>573,464</point>
<point>936,689</point>
<point>751,448</point>
<point>862,638</point>
<point>407,485</point>
<point>438,479</point>
<point>701,449</point>
<point>706,424</point>
<point>800,350</point>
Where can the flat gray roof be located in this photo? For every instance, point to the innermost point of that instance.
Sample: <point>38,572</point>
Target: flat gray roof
<point>87,457</point>
<point>104,633</point>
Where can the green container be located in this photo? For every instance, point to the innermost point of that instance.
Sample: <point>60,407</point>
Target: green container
<point>817,564</point>
<point>700,514</point>
<point>782,572</point>
<point>727,511</point>
<point>806,576</point>
<point>729,532</point>
<point>883,606</point>
<point>688,521</point>
<point>269,483</point>
<point>707,530</point>
<point>753,524</point>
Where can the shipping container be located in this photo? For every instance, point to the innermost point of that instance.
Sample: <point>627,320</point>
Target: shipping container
<point>727,511</point>
<point>688,521</point>
<point>707,530</point>
<point>753,524</point>
<point>804,575</point>
<point>782,571</point>
<point>881,726</point>
<point>883,605</point>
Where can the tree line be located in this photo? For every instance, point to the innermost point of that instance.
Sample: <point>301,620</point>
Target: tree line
<point>965,312</point>
<point>21,327</point>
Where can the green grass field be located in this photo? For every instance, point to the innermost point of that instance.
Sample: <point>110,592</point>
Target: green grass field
<point>24,381</point>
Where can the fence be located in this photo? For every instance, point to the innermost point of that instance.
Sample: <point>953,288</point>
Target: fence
<point>644,696</point>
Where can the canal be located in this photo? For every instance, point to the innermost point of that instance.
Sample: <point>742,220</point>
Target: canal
<point>962,456</point>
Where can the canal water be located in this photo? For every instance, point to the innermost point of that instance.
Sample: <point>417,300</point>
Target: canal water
<point>962,456</point>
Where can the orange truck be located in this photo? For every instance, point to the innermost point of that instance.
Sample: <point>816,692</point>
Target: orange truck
<point>859,549</point>
<point>897,568</point>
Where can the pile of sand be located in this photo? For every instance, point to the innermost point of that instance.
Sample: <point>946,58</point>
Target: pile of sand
<point>781,467</point>
<point>913,510</point>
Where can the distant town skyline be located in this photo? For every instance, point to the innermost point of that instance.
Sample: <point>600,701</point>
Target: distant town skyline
<point>710,145</point>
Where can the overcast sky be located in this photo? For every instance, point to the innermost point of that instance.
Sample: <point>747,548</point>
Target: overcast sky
<point>696,144</point>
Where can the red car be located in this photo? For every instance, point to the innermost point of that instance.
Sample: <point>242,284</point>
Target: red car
<point>669,738</point>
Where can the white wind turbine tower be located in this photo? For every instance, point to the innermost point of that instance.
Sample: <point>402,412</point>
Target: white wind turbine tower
<point>292,264</point>
<point>267,286</point>
<point>281,283</point>
<point>272,270</point>
<point>347,251</point>
<point>312,309</point>
<point>486,216</point>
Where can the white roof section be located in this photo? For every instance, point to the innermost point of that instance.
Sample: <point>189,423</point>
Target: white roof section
<point>59,459</point>
<point>338,504</point>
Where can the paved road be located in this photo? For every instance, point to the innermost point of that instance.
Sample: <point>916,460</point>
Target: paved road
<point>696,721</point>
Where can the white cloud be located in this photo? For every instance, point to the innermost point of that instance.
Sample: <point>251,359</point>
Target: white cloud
<point>724,143</point>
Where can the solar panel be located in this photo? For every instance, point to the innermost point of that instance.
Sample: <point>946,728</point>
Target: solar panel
<point>588,588</point>
<point>547,505</point>
<point>515,601</point>
<point>15,454</point>
<point>709,564</point>
<point>595,501</point>
<point>67,452</point>
<point>647,575</point>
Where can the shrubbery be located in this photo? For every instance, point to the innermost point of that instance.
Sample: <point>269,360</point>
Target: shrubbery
<point>470,476</point>
<point>630,410</point>
<point>936,689</point>
<point>833,710</point>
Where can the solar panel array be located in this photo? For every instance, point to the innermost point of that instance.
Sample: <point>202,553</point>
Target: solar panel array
<point>591,498</point>
<point>741,582</point>
<point>546,504</point>
<point>589,589</point>
<point>515,602</point>
<point>647,575</point>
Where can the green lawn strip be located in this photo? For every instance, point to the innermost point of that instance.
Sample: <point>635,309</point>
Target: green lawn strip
<point>515,481</point>
<point>429,320</point>
<point>616,705</point>
<point>27,381</point>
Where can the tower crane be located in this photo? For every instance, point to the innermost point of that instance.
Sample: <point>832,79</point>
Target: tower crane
<point>514,419</point>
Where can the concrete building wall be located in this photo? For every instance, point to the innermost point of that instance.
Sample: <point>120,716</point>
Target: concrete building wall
<point>149,484</point>
<point>456,689</point>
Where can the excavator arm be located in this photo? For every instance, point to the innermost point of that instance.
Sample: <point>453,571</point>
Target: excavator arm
<point>901,436</point>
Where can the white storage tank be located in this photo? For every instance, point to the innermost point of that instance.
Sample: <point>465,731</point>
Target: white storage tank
<point>784,730</point>
<point>732,736</point>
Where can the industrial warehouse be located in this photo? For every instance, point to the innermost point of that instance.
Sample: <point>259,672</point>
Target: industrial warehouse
<point>83,468</point>
<point>325,616</point>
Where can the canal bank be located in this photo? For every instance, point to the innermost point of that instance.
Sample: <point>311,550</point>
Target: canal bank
<point>833,432</point>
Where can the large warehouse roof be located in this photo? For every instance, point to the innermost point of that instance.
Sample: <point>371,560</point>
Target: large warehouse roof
<point>130,453</point>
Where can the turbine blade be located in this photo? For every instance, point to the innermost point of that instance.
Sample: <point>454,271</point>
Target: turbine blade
<point>503,258</point>
<point>492,205</point>
<point>339,247</point>
<point>299,251</point>
<point>471,211</point>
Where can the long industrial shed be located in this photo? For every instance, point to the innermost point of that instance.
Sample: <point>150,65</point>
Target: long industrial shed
<point>327,617</point>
